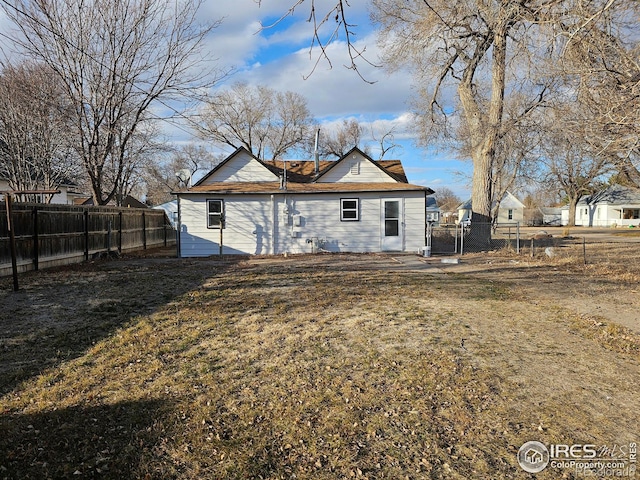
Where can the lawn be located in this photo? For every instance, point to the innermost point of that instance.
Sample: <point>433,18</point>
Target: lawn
<point>311,367</point>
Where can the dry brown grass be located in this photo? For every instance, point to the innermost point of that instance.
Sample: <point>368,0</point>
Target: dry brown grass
<point>307,367</point>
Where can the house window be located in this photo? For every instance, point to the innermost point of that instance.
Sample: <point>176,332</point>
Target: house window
<point>349,209</point>
<point>630,213</point>
<point>215,213</point>
<point>510,214</point>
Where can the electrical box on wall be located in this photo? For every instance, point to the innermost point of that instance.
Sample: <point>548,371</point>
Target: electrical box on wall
<point>297,220</point>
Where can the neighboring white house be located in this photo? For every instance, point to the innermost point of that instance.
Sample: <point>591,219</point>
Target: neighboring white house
<point>66,196</point>
<point>171,209</point>
<point>511,210</point>
<point>354,204</point>
<point>615,205</point>
<point>551,216</point>
<point>433,210</point>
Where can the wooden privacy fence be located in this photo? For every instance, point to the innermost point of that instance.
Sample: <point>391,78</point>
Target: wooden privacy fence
<point>50,235</point>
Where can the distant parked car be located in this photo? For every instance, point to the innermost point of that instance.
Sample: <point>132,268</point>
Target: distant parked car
<point>466,222</point>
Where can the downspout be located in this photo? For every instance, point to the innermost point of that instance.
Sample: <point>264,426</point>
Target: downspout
<point>274,225</point>
<point>179,232</point>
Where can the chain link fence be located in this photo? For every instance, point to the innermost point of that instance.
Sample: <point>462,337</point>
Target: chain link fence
<point>459,239</point>
<point>587,245</point>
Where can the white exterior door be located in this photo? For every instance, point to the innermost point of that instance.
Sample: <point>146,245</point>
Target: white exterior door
<point>392,225</point>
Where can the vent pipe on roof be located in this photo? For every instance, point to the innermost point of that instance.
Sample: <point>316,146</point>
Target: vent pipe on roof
<point>316,156</point>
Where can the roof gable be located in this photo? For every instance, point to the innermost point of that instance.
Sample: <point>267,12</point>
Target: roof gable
<point>613,195</point>
<point>357,167</point>
<point>240,166</point>
<point>509,200</point>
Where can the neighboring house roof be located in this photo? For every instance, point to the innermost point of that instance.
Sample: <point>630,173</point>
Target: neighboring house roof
<point>551,210</point>
<point>128,202</point>
<point>432,204</point>
<point>508,201</point>
<point>613,195</point>
<point>465,205</point>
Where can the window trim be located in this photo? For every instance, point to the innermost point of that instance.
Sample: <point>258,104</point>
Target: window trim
<point>343,210</point>
<point>221,222</point>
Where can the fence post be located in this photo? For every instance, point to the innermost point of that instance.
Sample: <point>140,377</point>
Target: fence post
<point>584,249</point>
<point>12,241</point>
<point>164,229</point>
<point>144,231</point>
<point>109,236</point>
<point>36,247</point>
<point>86,233</point>
<point>518,237</point>
<point>532,251</point>
<point>455,234</point>
<point>120,232</point>
<point>461,239</point>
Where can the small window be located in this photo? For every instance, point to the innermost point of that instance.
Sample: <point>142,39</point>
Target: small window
<point>349,209</point>
<point>510,214</point>
<point>215,214</point>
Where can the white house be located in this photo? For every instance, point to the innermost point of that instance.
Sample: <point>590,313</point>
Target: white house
<point>171,209</point>
<point>68,192</point>
<point>433,210</point>
<point>615,205</point>
<point>354,204</point>
<point>511,210</point>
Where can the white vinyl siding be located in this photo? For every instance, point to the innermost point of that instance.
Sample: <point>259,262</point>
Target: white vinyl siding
<point>247,228</point>
<point>356,168</point>
<point>241,168</point>
<point>264,224</point>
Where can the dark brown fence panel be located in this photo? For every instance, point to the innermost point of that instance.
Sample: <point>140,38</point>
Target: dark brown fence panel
<point>48,235</point>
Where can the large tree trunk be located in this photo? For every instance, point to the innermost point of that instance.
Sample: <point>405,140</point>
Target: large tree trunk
<point>573,203</point>
<point>485,130</point>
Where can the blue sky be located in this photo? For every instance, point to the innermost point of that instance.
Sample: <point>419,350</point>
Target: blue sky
<point>280,58</point>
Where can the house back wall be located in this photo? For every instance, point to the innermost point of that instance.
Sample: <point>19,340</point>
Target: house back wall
<point>264,224</point>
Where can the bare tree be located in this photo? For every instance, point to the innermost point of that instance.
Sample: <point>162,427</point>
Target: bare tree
<point>447,199</point>
<point>34,120</point>
<point>482,52</point>
<point>331,18</point>
<point>338,142</point>
<point>266,122</point>
<point>569,160</point>
<point>114,60</point>
<point>386,141</point>
<point>160,177</point>
<point>602,67</point>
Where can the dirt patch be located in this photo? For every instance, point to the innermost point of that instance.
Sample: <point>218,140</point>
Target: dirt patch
<point>326,366</point>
